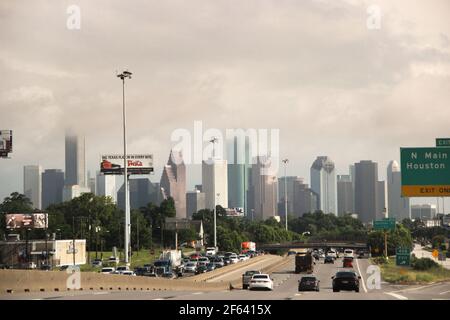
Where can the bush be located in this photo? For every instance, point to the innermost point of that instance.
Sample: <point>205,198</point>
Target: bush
<point>380,260</point>
<point>424,264</point>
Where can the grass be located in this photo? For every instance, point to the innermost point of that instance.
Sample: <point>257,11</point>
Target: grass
<point>407,275</point>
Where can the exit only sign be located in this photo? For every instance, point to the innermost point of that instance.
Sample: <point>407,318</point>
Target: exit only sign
<point>442,142</point>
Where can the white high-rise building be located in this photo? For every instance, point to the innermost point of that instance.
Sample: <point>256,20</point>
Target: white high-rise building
<point>263,189</point>
<point>32,184</point>
<point>398,206</point>
<point>323,183</point>
<point>215,182</point>
<point>107,186</point>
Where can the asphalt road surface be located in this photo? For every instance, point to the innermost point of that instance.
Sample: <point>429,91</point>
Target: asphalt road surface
<point>285,288</point>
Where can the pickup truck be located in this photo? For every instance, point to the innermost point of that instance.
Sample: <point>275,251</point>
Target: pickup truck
<point>247,276</point>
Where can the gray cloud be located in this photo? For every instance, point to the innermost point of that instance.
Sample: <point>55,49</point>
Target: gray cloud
<point>310,68</point>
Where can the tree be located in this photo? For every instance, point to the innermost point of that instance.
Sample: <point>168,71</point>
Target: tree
<point>400,237</point>
<point>15,203</point>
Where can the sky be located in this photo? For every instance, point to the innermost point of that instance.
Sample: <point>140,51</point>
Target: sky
<point>333,77</point>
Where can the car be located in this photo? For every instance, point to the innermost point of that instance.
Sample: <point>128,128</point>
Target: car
<point>201,269</point>
<point>308,283</point>
<point>247,276</point>
<point>128,273</point>
<point>226,261</point>
<point>186,260</point>
<point>348,253</point>
<point>261,281</point>
<point>346,280</point>
<point>203,261</point>
<point>195,256</point>
<point>211,266</point>
<point>168,275</point>
<point>97,263</point>
<point>190,267</point>
<point>121,269</point>
<point>218,262</point>
<point>290,253</point>
<point>210,251</point>
<point>332,253</point>
<point>316,256</point>
<point>347,263</point>
<point>243,257</point>
<point>234,259</point>
<point>328,259</point>
<point>107,270</point>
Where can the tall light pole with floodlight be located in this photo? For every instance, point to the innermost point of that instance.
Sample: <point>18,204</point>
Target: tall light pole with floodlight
<point>125,74</point>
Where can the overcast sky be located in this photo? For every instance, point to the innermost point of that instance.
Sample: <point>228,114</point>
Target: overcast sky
<point>311,68</point>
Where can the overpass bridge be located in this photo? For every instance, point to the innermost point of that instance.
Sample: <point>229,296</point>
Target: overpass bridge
<point>313,245</point>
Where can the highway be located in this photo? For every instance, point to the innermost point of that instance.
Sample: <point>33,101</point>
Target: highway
<point>285,288</point>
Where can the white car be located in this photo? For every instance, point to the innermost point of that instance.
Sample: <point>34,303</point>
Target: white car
<point>261,281</point>
<point>210,251</point>
<point>190,267</point>
<point>107,270</point>
<point>128,273</point>
<point>332,253</point>
<point>243,257</point>
<point>234,258</point>
<point>348,253</point>
<point>122,269</point>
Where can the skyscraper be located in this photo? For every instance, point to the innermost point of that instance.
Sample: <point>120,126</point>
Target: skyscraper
<point>238,155</point>
<point>215,182</point>
<point>107,186</point>
<point>140,193</point>
<point>345,195</point>
<point>32,184</point>
<point>304,198</point>
<point>52,187</point>
<point>398,206</point>
<point>75,161</point>
<point>195,201</point>
<point>290,193</point>
<point>323,183</point>
<point>423,211</point>
<point>366,186</point>
<point>263,188</point>
<point>173,182</point>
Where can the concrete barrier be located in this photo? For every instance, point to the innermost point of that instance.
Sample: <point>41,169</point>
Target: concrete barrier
<point>13,281</point>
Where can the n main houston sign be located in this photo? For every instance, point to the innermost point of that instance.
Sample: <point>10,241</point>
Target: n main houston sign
<point>425,172</point>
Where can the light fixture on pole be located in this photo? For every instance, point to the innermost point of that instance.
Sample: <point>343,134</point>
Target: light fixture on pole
<point>285,161</point>
<point>125,74</point>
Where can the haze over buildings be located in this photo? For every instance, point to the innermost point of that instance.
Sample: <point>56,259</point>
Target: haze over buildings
<point>323,183</point>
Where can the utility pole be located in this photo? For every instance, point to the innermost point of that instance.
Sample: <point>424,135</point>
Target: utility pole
<point>285,161</point>
<point>125,74</point>
<point>215,222</point>
<point>73,234</point>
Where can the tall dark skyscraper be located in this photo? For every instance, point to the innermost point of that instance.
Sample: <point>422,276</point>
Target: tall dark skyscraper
<point>75,161</point>
<point>345,194</point>
<point>366,189</point>
<point>304,198</point>
<point>140,193</point>
<point>52,187</point>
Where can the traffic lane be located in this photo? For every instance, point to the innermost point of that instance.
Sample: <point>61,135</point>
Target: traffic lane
<point>436,291</point>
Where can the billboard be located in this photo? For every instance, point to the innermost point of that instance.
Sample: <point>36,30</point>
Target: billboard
<point>136,164</point>
<point>5,142</point>
<point>26,220</point>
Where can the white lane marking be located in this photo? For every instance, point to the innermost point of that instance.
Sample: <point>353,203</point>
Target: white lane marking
<point>298,294</point>
<point>418,288</point>
<point>395,295</point>
<point>445,292</point>
<point>198,293</point>
<point>98,293</point>
<point>362,278</point>
<point>158,299</point>
<point>37,299</point>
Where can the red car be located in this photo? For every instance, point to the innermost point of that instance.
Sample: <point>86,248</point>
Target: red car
<point>348,263</point>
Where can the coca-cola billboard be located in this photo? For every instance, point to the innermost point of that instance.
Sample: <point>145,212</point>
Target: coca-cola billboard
<point>136,164</point>
<point>26,221</point>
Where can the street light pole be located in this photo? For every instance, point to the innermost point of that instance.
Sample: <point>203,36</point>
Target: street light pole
<point>285,161</point>
<point>125,74</point>
<point>215,222</point>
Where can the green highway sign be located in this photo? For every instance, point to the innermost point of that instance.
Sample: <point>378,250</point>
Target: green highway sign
<point>442,142</point>
<point>425,172</point>
<point>385,224</point>
<point>403,256</point>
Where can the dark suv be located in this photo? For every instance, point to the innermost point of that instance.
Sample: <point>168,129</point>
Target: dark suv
<point>346,280</point>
